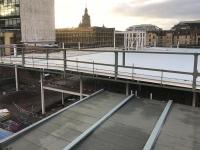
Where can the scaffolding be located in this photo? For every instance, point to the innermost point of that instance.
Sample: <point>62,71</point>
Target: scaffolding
<point>133,40</point>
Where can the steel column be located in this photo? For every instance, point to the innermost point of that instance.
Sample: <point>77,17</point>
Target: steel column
<point>116,65</point>
<point>127,89</point>
<point>124,58</point>
<point>64,63</point>
<point>79,45</point>
<point>16,79</point>
<point>195,75</point>
<point>23,58</point>
<point>114,44</point>
<point>63,99</point>
<point>81,88</point>
<point>42,93</point>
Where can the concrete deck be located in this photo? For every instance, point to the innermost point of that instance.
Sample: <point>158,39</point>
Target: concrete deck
<point>59,131</point>
<point>181,130</point>
<point>128,129</point>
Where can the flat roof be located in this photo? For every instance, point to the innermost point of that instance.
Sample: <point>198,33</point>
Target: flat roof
<point>62,129</point>
<point>181,130</point>
<point>129,128</point>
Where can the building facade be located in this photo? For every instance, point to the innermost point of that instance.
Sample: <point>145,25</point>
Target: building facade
<point>185,34</point>
<point>37,21</point>
<point>10,23</point>
<point>86,36</point>
<point>27,21</point>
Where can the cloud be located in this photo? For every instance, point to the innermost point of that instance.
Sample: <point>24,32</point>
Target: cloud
<point>174,9</point>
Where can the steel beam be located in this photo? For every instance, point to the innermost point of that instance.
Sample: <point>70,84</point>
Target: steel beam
<point>156,131</point>
<point>63,91</point>
<point>97,124</point>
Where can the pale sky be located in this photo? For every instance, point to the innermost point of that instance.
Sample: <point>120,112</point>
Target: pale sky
<point>123,13</point>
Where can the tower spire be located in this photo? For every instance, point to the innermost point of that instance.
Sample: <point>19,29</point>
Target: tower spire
<point>85,19</point>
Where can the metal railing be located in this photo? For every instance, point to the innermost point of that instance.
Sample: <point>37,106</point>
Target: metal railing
<point>58,59</point>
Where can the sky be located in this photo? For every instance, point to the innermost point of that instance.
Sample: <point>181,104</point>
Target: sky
<point>123,13</point>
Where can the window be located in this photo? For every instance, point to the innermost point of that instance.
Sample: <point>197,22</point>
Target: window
<point>9,14</point>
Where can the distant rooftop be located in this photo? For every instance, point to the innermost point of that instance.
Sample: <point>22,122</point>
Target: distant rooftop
<point>187,25</point>
<point>145,27</point>
<point>190,22</point>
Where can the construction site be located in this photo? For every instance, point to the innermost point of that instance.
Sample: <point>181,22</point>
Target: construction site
<point>125,97</point>
<point>39,84</point>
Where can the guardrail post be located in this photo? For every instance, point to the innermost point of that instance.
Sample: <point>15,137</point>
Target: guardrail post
<point>132,71</point>
<point>195,75</point>
<point>124,58</point>
<point>127,89</point>
<point>1,53</point>
<point>77,64</point>
<point>114,43</point>
<point>151,95</point>
<point>81,88</point>
<point>16,79</point>
<point>136,93</point>
<point>23,58</point>
<point>116,64</point>
<point>161,77</point>
<point>93,68</point>
<point>42,93</point>
<point>47,57</point>
<point>79,45</point>
<point>64,63</point>
<point>63,99</point>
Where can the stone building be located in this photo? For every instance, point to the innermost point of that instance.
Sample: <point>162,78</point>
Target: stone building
<point>187,34</point>
<point>184,34</point>
<point>165,38</point>
<point>86,36</point>
<point>152,39</point>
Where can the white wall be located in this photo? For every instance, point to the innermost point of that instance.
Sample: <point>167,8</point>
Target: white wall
<point>37,20</point>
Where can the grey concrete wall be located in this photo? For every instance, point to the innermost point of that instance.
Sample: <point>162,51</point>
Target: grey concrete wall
<point>37,20</point>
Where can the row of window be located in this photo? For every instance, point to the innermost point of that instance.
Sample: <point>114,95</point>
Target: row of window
<point>9,8</point>
<point>9,2</point>
<point>5,23</point>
